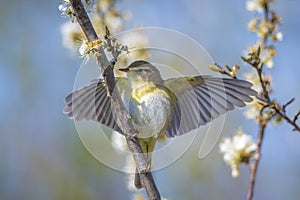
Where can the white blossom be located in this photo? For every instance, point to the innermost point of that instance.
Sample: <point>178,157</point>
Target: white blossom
<point>71,35</point>
<point>251,113</point>
<point>66,9</point>
<point>269,63</point>
<point>254,5</point>
<point>266,58</point>
<point>236,150</point>
<point>129,168</point>
<point>235,171</point>
<point>137,43</point>
<point>118,142</point>
<point>84,49</point>
<point>279,36</point>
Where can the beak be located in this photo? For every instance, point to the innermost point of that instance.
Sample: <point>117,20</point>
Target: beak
<point>124,69</point>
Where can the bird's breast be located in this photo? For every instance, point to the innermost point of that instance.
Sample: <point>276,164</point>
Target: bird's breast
<point>150,109</point>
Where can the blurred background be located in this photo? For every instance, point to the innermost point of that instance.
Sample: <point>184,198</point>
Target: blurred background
<point>41,154</point>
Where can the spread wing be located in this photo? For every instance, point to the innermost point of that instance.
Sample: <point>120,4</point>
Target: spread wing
<point>92,103</point>
<point>201,99</point>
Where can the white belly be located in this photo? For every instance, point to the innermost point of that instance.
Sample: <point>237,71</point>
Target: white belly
<point>150,114</point>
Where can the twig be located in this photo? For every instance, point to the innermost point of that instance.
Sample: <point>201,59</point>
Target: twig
<point>258,66</point>
<point>122,117</point>
<point>288,103</point>
<point>256,161</point>
<point>288,119</point>
<point>263,85</point>
<point>262,124</point>
<point>296,117</point>
<point>271,104</point>
<point>231,72</point>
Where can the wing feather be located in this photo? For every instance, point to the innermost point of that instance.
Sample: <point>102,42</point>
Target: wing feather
<point>201,99</point>
<point>89,106</point>
<point>92,103</point>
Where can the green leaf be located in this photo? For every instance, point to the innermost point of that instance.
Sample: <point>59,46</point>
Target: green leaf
<point>258,51</point>
<point>277,120</point>
<point>214,68</point>
<point>245,60</point>
<point>228,68</point>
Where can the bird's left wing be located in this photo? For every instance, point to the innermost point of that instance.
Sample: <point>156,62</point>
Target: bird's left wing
<point>200,99</point>
<point>91,102</point>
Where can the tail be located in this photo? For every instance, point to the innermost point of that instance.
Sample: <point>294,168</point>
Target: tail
<point>147,147</point>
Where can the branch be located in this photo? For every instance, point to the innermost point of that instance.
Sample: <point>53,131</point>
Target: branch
<point>263,85</point>
<point>256,161</point>
<point>272,104</point>
<point>122,117</point>
<point>231,72</point>
<point>262,122</point>
<point>258,65</point>
<point>282,113</point>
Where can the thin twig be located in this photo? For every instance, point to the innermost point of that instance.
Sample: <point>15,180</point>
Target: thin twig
<point>262,123</point>
<point>269,104</point>
<point>288,119</point>
<point>256,161</point>
<point>223,71</point>
<point>296,117</point>
<point>122,117</point>
<point>288,103</point>
<point>263,85</point>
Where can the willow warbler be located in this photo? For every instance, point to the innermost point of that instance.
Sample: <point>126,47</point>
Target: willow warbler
<point>159,107</point>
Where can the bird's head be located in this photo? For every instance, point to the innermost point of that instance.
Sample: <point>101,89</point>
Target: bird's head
<point>141,71</point>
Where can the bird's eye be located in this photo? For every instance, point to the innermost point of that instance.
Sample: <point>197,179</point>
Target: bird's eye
<point>142,71</point>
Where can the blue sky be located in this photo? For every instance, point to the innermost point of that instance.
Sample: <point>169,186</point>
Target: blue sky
<point>36,72</point>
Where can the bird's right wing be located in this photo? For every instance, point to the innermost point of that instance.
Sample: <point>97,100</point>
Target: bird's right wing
<point>91,102</point>
<point>200,99</point>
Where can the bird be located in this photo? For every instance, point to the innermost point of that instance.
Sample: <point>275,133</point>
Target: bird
<point>159,108</point>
